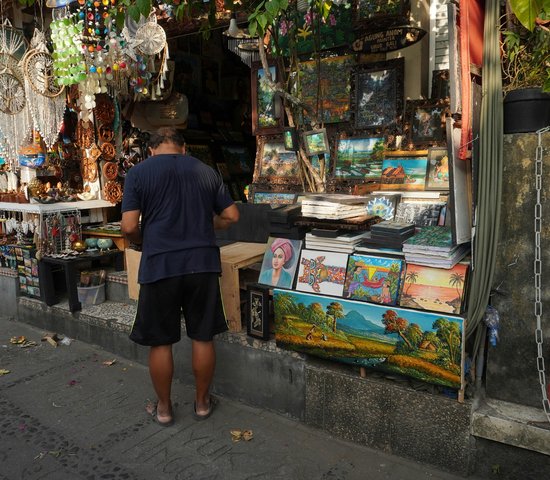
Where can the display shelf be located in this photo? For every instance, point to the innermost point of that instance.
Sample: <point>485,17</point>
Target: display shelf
<point>54,207</point>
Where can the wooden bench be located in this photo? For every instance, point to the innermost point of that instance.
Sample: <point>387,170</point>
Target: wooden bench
<point>235,257</point>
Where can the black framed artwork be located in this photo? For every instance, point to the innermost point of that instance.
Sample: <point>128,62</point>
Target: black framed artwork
<point>377,94</point>
<point>257,323</point>
<point>425,123</point>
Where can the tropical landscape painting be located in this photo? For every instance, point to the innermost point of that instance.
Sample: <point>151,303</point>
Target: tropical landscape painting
<point>276,160</point>
<point>422,345</point>
<point>437,289</point>
<point>359,157</point>
<point>404,173</point>
<point>373,279</point>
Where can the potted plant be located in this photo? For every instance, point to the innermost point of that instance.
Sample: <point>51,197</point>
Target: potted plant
<point>526,65</point>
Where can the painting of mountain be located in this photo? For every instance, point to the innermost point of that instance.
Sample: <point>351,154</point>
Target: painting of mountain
<point>422,345</point>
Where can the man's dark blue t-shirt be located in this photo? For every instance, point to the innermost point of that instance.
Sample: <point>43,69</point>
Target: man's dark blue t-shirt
<point>177,196</point>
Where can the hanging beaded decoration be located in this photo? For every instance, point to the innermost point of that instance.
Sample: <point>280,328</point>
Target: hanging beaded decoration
<point>45,100</point>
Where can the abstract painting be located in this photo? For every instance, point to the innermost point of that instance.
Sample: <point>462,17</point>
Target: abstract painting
<point>425,122</point>
<point>322,272</point>
<point>359,157</point>
<point>404,173</point>
<point>373,279</point>
<point>377,94</point>
<point>383,206</point>
<point>437,289</point>
<point>422,345</point>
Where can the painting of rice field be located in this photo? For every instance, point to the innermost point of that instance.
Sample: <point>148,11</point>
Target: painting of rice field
<point>359,157</point>
<point>404,173</point>
<point>373,279</point>
<point>436,289</point>
<point>421,345</point>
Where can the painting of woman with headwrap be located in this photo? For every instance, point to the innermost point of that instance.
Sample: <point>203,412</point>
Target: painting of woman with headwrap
<point>280,260</point>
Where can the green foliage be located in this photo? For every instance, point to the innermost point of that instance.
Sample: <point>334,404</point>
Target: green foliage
<point>526,43</point>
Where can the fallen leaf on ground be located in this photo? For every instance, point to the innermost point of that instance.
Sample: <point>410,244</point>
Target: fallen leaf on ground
<point>3,371</point>
<point>18,340</point>
<point>109,362</point>
<point>28,343</point>
<point>51,338</point>
<point>238,435</point>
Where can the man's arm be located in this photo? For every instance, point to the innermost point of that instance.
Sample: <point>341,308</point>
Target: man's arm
<point>226,218</point>
<point>130,226</point>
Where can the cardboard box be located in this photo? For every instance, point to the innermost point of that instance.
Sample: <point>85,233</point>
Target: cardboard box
<point>133,257</point>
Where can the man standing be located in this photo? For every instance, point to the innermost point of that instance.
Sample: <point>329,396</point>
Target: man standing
<point>181,201</point>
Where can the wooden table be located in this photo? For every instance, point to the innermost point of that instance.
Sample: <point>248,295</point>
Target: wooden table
<point>235,257</point>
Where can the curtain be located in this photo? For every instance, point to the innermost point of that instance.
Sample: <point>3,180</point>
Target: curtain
<point>489,178</point>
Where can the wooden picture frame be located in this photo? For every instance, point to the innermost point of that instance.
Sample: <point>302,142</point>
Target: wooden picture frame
<point>257,318</point>
<point>380,13</point>
<point>267,114</point>
<point>290,138</point>
<point>425,123</point>
<point>316,142</point>
<point>272,198</point>
<point>438,175</point>
<point>377,95</point>
<point>332,104</point>
<point>358,158</point>
<point>275,165</point>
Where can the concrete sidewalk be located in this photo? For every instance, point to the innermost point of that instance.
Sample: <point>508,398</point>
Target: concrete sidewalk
<point>67,415</point>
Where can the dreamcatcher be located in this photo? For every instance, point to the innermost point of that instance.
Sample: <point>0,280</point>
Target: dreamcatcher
<point>15,121</point>
<point>46,99</point>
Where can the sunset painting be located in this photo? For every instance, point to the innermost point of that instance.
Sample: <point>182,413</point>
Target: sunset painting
<point>422,345</point>
<point>435,289</point>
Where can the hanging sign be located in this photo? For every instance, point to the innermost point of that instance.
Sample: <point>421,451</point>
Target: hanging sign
<point>388,40</point>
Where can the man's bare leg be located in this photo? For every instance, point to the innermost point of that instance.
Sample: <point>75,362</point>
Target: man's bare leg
<point>161,369</point>
<point>204,363</point>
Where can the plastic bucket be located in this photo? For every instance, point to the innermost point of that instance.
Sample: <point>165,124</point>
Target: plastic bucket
<point>91,295</point>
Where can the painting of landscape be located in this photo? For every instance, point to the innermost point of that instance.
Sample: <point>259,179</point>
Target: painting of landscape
<point>436,289</point>
<point>373,279</point>
<point>425,346</point>
<point>404,173</point>
<point>359,157</point>
<point>276,160</point>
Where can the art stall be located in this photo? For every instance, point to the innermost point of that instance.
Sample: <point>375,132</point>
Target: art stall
<point>369,253</point>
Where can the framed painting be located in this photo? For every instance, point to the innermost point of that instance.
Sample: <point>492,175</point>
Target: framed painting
<point>257,324</point>
<point>425,122</point>
<point>418,344</point>
<point>403,173</point>
<point>316,142</point>
<point>274,198</point>
<point>438,169</point>
<point>380,13</point>
<point>441,84</point>
<point>330,103</point>
<point>275,165</point>
<point>290,137</point>
<point>322,272</point>
<point>422,214</point>
<point>237,158</point>
<point>373,279</point>
<point>200,151</point>
<point>383,206</point>
<point>358,158</point>
<point>280,262</point>
<point>436,289</point>
<point>377,94</point>
<point>266,105</point>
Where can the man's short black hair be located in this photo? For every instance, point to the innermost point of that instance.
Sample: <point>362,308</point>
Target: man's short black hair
<point>167,135</point>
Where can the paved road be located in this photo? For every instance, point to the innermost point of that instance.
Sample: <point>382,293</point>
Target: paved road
<point>66,415</point>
